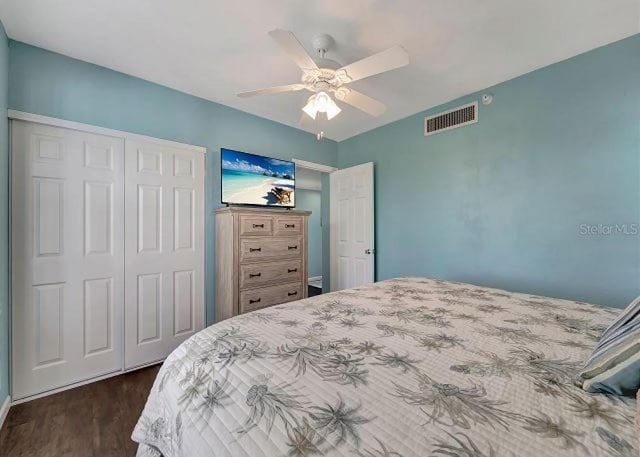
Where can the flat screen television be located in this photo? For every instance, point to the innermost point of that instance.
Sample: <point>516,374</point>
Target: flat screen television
<point>250,179</point>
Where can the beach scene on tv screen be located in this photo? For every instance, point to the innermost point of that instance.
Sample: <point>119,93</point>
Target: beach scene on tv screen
<point>249,179</point>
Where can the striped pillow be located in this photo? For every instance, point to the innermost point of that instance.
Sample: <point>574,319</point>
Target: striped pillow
<point>638,418</point>
<point>614,366</point>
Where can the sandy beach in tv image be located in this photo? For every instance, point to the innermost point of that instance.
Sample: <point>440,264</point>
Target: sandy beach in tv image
<point>255,180</point>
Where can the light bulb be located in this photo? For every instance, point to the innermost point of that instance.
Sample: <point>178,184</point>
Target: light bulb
<point>310,108</point>
<point>322,101</point>
<point>332,110</point>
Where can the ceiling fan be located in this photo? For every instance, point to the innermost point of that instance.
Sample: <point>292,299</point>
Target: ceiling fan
<point>324,76</point>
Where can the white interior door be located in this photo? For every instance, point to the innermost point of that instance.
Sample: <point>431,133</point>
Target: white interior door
<point>67,256</point>
<point>352,227</point>
<point>164,245</point>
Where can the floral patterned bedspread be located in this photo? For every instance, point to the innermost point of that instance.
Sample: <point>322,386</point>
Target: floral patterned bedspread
<point>405,367</point>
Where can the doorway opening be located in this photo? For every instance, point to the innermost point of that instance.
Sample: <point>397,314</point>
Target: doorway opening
<point>312,194</point>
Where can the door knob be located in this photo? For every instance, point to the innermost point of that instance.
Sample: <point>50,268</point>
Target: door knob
<point>369,251</point>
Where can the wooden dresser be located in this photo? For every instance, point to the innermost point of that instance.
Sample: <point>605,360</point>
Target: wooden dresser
<point>261,258</point>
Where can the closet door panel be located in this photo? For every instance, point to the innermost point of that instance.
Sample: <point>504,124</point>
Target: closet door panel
<point>67,257</point>
<point>164,238</point>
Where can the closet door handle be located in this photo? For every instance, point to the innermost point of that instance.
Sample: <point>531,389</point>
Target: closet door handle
<point>256,275</point>
<point>291,294</point>
<point>292,270</point>
<point>251,302</point>
<point>289,225</point>
<point>292,248</point>
<point>258,225</point>
<point>255,249</point>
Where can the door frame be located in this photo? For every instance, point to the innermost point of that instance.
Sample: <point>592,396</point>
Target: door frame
<point>88,128</point>
<point>314,166</point>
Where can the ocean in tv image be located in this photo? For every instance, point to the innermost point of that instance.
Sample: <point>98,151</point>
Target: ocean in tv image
<point>250,179</point>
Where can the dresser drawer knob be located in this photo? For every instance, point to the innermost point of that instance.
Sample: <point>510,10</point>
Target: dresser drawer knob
<point>292,248</point>
<point>291,294</point>
<point>255,249</point>
<point>292,270</point>
<point>255,275</point>
<point>258,225</point>
<point>289,225</point>
<point>257,300</point>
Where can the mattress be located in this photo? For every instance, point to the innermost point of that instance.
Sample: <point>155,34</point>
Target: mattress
<point>405,367</point>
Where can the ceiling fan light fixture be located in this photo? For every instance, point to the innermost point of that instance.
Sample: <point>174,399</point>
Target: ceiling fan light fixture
<point>332,109</point>
<point>321,103</point>
<point>310,108</point>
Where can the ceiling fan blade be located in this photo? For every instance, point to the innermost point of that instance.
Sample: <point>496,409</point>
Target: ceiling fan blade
<point>290,44</point>
<point>361,101</point>
<point>273,90</point>
<point>390,59</point>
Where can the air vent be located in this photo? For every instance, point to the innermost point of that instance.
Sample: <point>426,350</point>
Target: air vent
<point>457,117</point>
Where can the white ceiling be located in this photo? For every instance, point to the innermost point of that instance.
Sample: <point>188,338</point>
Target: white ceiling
<point>217,48</point>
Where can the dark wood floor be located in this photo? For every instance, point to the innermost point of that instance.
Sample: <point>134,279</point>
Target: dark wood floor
<point>313,291</point>
<point>95,420</point>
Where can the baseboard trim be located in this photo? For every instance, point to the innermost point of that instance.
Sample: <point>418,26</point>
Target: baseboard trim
<point>4,411</point>
<point>315,278</point>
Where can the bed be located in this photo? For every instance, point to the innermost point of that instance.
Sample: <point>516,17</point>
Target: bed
<point>404,367</point>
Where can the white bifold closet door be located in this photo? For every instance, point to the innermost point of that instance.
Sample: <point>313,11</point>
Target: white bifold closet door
<point>107,253</point>
<point>164,249</point>
<point>67,256</point>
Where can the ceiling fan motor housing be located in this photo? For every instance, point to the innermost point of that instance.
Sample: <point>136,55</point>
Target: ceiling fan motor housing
<point>324,79</point>
<point>322,43</point>
<point>321,85</point>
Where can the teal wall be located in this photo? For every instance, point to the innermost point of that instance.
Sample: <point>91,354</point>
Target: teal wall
<point>501,202</point>
<point>4,218</point>
<point>50,84</point>
<point>311,200</point>
<point>498,203</point>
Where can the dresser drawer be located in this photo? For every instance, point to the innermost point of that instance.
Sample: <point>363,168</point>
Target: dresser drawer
<point>256,225</point>
<point>253,299</point>
<point>255,274</point>
<point>288,225</point>
<point>270,247</point>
